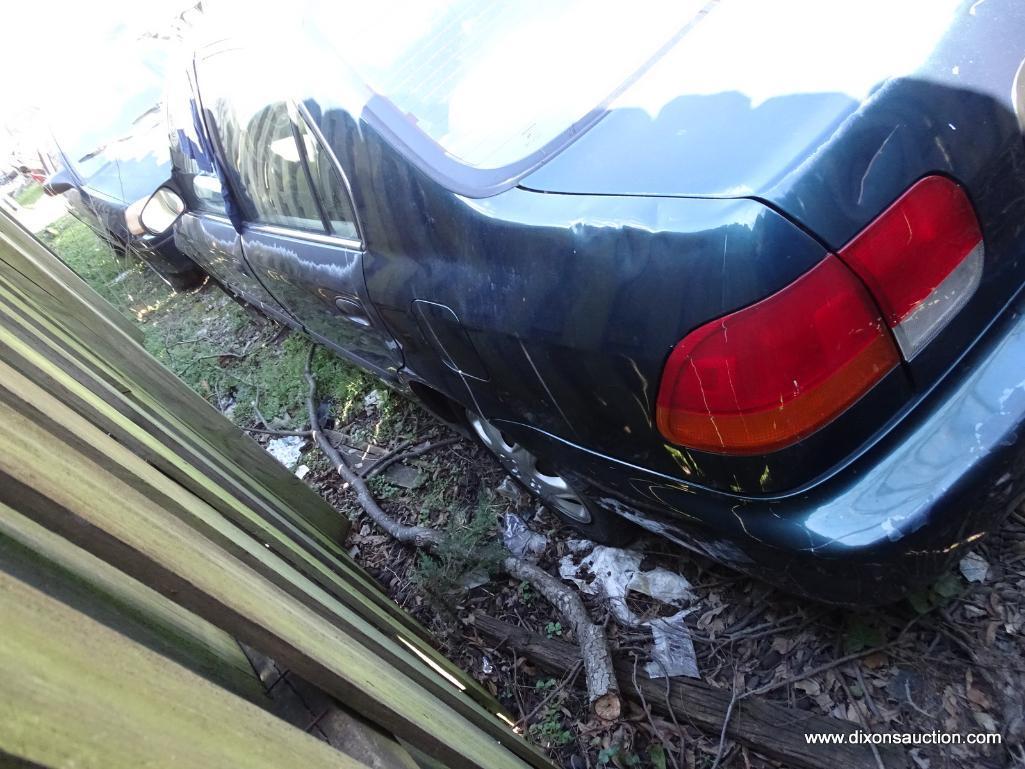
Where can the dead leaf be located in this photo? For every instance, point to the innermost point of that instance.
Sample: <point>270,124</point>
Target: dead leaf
<point>991,632</point>
<point>875,661</point>
<point>950,701</point>
<point>985,720</point>
<point>974,612</point>
<point>974,568</point>
<point>809,687</point>
<point>978,697</point>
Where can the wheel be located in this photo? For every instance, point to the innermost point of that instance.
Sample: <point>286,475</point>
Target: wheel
<point>552,489</point>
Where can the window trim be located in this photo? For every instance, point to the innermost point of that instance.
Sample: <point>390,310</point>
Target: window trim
<point>217,151</point>
<point>319,237</point>
<point>304,161</point>
<point>220,218</point>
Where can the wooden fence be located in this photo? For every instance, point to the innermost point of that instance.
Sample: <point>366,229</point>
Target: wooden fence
<point>142,536</point>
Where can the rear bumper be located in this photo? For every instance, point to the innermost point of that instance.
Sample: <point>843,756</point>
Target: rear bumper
<point>887,523</point>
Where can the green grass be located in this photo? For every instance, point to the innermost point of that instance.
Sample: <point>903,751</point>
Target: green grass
<point>228,355</point>
<point>267,375</point>
<point>29,195</point>
<point>126,283</point>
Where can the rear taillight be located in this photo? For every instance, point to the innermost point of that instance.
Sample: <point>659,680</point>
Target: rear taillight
<point>764,377</point>
<point>921,259</point>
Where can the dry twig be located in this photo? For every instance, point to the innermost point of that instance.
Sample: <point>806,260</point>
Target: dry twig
<point>602,686</point>
<point>399,455</point>
<point>283,433</point>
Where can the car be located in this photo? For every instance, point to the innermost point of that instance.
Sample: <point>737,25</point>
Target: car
<point>106,186</point>
<point>745,275</point>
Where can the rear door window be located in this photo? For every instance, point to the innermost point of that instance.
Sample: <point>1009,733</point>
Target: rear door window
<point>258,143</point>
<point>264,157</point>
<point>329,185</point>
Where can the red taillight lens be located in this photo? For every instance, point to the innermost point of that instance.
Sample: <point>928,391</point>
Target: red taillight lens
<point>766,376</point>
<point>921,259</point>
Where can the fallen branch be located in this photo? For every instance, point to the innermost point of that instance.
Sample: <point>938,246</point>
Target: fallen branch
<point>282,433</point>
<point>246,351</point>
<point>388,457</point>
<point>720,752</point>
<point>419,536</point>
<point>651,721</point>
<point>772,730</point>
<point>228,354</point>
<point>398,455</point>
<point>602,686</point>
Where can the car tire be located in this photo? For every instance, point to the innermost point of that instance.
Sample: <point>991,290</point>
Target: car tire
<point>560,495</point>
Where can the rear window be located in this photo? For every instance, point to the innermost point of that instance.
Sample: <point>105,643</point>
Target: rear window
<point>494,83</point>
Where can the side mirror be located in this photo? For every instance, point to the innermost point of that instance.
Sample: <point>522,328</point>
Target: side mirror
<point>58,183</point>
<point>161,211</point>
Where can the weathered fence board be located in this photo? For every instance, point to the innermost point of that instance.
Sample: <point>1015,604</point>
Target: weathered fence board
<point>134,373</point>
<point>108,337</point>
<point>53,565</point>
<point>77,693</point>
<point>43,363</point>
<point>137,387</point>
<point>58,482</point>
<point>138,518</point>
<point>62,282</point>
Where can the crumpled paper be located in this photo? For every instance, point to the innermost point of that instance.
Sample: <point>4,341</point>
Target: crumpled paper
<point>520,540</point>
<point>974,568</point>
<point>617,571</point>
<point>286,450</point>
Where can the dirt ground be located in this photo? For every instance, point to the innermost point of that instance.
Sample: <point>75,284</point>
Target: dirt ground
<point>948,661</point>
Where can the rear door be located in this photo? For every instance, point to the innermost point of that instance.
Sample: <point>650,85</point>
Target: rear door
<point>299,234</point>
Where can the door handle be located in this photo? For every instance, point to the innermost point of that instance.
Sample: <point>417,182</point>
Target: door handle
<point>352,310</point>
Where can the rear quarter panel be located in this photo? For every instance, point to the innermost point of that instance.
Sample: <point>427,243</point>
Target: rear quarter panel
<point>573,302</point>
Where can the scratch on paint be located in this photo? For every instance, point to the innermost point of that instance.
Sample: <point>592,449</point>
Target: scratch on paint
<point>708,408</point>
<point>551,397</point>
<point>681,459</point>
<point>743,525</point>
<point>646,405</point>
<point>872,162</point>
